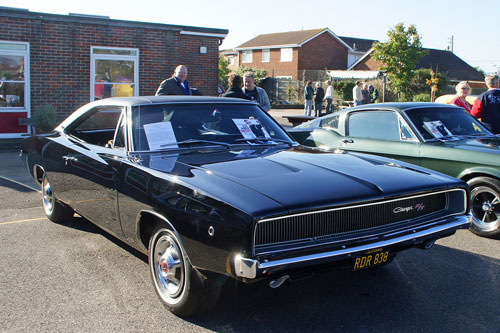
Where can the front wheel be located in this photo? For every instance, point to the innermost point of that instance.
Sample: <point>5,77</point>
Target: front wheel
<point>485,201</point>
<point>55,210</point>
<point>181,288</point>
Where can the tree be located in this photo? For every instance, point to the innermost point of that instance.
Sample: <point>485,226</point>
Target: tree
<point>223,71</point>
<point>259,74</point>
<point>399,57</point>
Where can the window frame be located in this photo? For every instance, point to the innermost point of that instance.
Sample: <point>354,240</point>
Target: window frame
<point>266,52</point>
<point>246,56</point>
<point>26,55</point>
<point>401,121</point>
<point>98,56</point>
<point>284,56</point>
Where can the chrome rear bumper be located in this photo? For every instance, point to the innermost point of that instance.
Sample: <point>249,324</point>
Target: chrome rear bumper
<point>253,268</point>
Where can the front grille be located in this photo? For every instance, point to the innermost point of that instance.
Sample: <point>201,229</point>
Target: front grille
<point>349,222</point>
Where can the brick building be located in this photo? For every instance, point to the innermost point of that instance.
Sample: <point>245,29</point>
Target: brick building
<point>289,54</point>
<point>68,60</point>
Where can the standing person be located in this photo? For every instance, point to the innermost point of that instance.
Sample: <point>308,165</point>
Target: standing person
<point>463,90</point>
<point>177,84</point>
<point>319,94</point>
<point>234,91</point>
<point>487,105</point>
<point>329,97</point>
<point>257,94</point>
<point>366,94</point>
<point>373,93</point>
<point>357,95</point>
<point>308,95</point>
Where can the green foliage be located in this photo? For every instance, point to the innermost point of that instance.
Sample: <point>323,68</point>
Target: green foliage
<point>423,97</point>
<point>259,74</point>
<point>45,118</point>
<point>399,57</point>
<point>223,71</point>
<point>480,70</point>
<point>343,89</point>
<point>419,84</point>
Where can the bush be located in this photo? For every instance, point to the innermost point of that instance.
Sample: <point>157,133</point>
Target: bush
<point>343,89</point>
<point>425,97</point>
<point>259,74</point>
<point>45,118</point>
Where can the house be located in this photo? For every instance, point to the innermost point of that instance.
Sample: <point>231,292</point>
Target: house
<point>68,60</point>
<point>291,54</point>
<point>442,61</point>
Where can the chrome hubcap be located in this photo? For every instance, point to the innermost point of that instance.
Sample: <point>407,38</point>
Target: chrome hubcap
<point>169,267</point>
<point>47,196</point>
<point>485,208</point>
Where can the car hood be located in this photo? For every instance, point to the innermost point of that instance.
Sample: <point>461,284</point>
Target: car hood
<point>299,178</point>
<point>485,145</point>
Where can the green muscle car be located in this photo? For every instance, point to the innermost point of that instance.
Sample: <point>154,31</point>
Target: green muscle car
<point>440,137</point>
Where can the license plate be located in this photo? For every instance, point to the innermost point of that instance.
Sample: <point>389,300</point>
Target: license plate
<point>371,258</point>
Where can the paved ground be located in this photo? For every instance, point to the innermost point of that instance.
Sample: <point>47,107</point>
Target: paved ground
<point>72,277</point>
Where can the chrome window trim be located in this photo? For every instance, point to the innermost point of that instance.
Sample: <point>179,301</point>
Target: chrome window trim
<point>361,205</point>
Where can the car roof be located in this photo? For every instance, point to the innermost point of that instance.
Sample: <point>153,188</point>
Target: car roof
<point>400,106</point>
<point>141,100</point>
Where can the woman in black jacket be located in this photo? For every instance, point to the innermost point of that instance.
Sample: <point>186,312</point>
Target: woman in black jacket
<point>234,91</point>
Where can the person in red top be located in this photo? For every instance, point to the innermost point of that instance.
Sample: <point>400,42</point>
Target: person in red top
<point>463,90</point>
<point>487,105</point>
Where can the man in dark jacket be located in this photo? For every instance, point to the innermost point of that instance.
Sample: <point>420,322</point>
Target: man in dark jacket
<point>487,105</point>
<point>177,84</point>
<point>319,94</point>
<point>235,82</point>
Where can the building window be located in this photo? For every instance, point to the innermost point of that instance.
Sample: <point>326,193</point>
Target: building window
<point>247,56</point>
<point>286,54</point>
<point>266,55</point>
<point>114,72</point>
<point>14,88</point>
<point>230,60</point>
<point>13,76</point>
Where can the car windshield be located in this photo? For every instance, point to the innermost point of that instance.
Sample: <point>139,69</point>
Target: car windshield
<point>170,126</point>
<point>445,122</point>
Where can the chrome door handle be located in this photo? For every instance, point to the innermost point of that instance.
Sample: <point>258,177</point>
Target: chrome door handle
<point>69,158</point>
<point>347,141</point>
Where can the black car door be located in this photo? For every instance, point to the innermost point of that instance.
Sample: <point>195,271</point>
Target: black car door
<point>90,178</point>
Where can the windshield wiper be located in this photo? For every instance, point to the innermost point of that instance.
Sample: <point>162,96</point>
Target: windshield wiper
<point>264,139</point>
<point>195,141</point>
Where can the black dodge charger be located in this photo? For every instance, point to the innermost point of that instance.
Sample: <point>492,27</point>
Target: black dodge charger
<point>211,187</point>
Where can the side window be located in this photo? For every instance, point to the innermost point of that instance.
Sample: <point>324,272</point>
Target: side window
<point>97,126</point>
<point>381,125</point>
<point>120,134</point>
<point>330,122</point>
<point>405,131</point>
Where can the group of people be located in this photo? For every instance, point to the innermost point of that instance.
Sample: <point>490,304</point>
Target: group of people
<point>178,85</point>
<point>364,93</point>
<point>487,105</point>
<point>314,98</point>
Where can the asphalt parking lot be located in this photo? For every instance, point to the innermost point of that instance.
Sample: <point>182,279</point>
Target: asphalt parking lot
<point>73,277</point>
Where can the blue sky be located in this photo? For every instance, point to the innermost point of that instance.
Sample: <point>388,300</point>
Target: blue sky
<point>475,34</point>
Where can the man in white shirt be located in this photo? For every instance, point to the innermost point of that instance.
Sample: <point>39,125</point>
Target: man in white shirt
<point>357,95</point>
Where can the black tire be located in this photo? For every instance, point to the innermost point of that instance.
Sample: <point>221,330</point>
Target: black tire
<point>485,206</point>
<point>55,210</point>
<point>180,287</point>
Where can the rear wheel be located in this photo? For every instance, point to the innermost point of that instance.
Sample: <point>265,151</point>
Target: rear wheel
<point>55,210</point>
<point>485,201</point>
<point>181,288</point>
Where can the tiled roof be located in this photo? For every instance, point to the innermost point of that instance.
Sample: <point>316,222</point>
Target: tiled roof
<point>450,64</point>
<point>358,44</point>
<point>281,38</point>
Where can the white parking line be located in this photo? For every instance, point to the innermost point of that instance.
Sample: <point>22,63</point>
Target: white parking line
<point>19,183</point>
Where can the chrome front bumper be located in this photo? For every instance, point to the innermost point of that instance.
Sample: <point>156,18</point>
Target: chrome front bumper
<point>253,268</point>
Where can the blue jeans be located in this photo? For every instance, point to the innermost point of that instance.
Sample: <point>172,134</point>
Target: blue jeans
<point>356,103</point>
<point>308,107</point>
